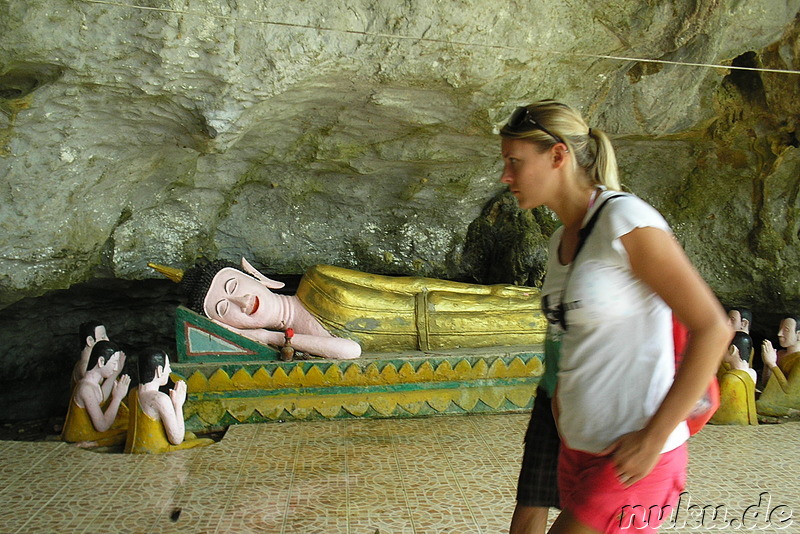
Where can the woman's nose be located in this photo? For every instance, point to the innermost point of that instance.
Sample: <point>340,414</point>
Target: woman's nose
<point>506,176</point>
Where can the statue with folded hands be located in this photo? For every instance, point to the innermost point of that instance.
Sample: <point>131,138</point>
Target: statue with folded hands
<point>156,421</point>
<point>96,415</point>
<point>741,319</point>
<point>89,333</point>
<point>737,385</point>
<point>781,395</point>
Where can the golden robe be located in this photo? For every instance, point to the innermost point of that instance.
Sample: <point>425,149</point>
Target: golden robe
<point>395,313</point>
<point>737,398</point>
<point>148,436</point>
<point>78,426</point>
<point>781,395</point>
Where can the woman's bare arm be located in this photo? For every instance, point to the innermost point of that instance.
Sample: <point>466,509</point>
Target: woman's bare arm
<point>659,261</point>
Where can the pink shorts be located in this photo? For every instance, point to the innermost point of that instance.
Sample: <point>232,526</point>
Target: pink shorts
<point>591,492</point>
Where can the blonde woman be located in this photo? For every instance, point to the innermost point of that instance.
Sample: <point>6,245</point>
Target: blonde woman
<point>615,276</point>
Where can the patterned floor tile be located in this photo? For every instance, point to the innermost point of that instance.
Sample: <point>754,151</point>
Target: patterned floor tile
<point>403,476</point>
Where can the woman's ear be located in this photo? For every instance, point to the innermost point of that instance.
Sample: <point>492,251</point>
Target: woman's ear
<point>560,155</point>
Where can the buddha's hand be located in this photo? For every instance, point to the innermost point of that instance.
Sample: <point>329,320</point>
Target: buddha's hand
<point>178,393</point>
<point>121,387</point>
<point>768,354</point>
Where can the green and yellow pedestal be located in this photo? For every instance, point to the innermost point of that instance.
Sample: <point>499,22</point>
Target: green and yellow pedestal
<point>233,380</point>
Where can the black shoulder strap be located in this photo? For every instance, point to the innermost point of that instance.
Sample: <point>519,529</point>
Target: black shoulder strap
<point>584,232</point>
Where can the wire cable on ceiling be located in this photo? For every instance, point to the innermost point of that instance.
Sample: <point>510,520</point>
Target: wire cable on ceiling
<point>466,44</point>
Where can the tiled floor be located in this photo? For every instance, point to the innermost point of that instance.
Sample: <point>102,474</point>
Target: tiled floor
<point>442,474</point>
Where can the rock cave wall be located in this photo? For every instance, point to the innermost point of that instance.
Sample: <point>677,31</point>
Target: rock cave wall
<point>361,133</point>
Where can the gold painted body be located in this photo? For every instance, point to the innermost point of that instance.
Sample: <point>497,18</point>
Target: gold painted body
<point>387,313</point>
<point>78,426</point>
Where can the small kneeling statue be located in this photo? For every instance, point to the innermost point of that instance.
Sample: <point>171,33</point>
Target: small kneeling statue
<point>156,419</point>
<point>737,385</point>
<point>781,395</point>
<point>96,416</point>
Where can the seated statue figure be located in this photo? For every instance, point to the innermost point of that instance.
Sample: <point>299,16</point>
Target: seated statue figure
<point>337,313</point>
<point>96,416</point>
<point>737,386</point>
<point>90,333</point>
<point>781,395</point>
<point>741,319</point>
<point>156,420</point>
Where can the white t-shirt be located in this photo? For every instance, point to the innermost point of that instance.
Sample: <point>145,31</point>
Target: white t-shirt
<point>618,360</point>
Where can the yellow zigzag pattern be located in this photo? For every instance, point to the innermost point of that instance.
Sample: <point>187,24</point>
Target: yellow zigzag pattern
<point>385,404</point>
<point>354,375</point>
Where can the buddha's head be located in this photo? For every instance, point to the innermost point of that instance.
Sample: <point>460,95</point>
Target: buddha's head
<point>105,356</point>
<point>743,344</point>
<point>90,333</point>
<point>236,297</point>
<point>198,280</point>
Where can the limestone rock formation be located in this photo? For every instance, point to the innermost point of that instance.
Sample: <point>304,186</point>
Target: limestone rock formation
<point>362,133</point>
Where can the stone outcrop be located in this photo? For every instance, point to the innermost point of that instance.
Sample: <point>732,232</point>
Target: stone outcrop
<point>361,133</point>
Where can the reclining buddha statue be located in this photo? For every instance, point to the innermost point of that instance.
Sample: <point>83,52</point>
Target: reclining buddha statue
<point>337,312</point>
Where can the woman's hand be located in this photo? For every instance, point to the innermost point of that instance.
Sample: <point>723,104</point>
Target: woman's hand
<point>658,260</point>
<point>634,456</point>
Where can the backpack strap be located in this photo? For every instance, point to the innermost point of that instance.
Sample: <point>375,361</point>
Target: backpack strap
<point>584,232</point>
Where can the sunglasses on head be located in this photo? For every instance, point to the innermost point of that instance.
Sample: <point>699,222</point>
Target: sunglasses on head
<point>522,121</point>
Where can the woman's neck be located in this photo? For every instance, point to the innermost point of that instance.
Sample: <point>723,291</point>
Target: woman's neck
<point>574,206</point>
<point>576,202</point>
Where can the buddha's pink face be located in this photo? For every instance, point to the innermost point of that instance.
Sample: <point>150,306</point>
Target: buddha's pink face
<point>99,335</point>
<point>238,300</point>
